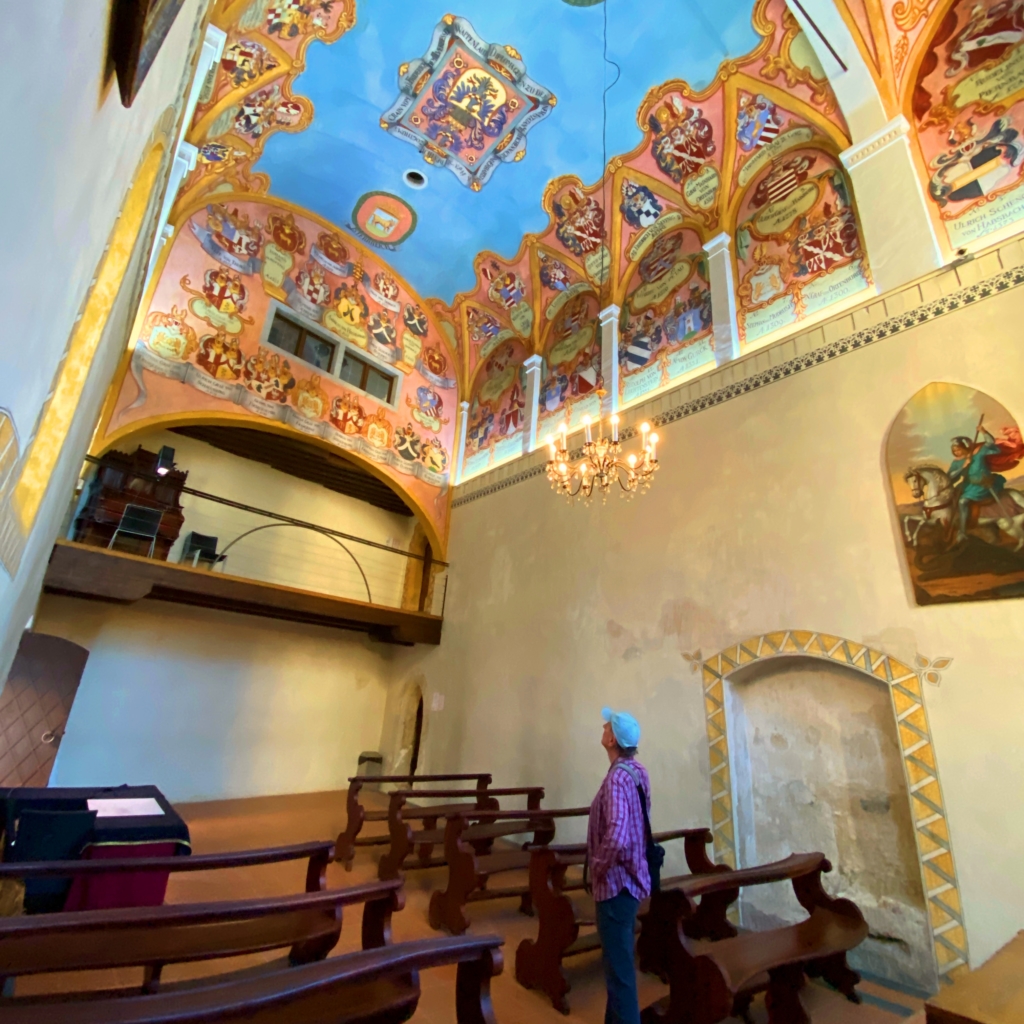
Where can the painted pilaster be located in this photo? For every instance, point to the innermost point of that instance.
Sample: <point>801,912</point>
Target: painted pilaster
<point>841,61</point>
<point>898,232</point>
<point>184,161</point>
<point>896,224</point>
<point>532,368</point>
<point>460,441</point>
<point>609,320</point>
<point>185,153</point>
<point>723,298</point>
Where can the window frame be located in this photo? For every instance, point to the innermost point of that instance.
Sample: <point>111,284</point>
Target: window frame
<point>341,347</point>
<point>368,364</point>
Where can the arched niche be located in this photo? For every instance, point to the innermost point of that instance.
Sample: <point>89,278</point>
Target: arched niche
<point>204,346</point>
<point>797,243</point>
<point>963,98</point>
<point>953,460</point>
<point>816,765</point>
<point>917,753</point>
<point>497,407</point>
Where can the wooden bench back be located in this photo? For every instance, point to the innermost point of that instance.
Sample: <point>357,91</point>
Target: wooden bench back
<point>150,937</point>
<point>539,962</point>
<point>368,986</point>
<point>319,853</point>
<point>725,974</point>
<point>345,844</point>
<point>404,840</point>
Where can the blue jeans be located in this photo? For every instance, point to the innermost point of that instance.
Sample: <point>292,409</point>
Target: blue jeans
<point>616,920</point>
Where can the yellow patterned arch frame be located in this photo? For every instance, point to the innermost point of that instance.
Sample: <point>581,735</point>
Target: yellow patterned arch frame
<point>938,873</point>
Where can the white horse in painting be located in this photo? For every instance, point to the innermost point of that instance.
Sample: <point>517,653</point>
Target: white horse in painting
<point>939,506</point>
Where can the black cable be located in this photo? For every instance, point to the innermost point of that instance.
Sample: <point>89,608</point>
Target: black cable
<point>604,125</point>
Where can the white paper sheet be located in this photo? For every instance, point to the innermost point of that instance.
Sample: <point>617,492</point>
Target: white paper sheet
<point>125,807</point>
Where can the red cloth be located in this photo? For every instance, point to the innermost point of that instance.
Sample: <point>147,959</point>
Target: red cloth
<point>1011,448</point>
<point>121,888</point>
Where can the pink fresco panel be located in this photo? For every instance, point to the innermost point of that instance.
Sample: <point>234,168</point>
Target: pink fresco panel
<point>204,349</point>
<point>571,374</point>
<point>798,246</point>
<point>497,408</point>
<point>665,328</point>
<point>968,108</point>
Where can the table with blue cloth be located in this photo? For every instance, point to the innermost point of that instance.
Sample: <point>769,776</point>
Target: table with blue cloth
<point>58,824</point>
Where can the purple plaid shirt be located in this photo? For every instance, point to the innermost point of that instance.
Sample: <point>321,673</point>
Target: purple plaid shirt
<point>616,844</point>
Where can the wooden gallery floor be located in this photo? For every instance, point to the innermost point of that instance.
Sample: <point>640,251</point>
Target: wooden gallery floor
<point>273,821</point>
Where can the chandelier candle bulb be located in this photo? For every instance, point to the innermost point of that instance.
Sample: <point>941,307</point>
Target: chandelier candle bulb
<point>603,462</point>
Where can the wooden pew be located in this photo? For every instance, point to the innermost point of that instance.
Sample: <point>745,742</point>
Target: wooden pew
<point>350,839</point>
<point>319,854</point>
<point>710,981</point>
<point>471,862</point>
<point>369,987</point>
<point>405,840</point>
<point>539,961</point>
<point>309,924</point>
<point>659,919</point>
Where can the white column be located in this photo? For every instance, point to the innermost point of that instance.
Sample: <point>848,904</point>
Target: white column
<point>185,153</point>
<point>460,442</point>
<point>184,161</point>
<point>898,232</point>
<point>609,320</point>
<point>723,298</point>
<point>840,59</point>
<point>532,368</point>
<point>896,223</point>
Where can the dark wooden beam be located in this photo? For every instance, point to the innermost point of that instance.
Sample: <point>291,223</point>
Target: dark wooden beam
<point>300,459</point>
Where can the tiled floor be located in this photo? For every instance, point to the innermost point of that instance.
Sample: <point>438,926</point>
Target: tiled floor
<point>273,821</point>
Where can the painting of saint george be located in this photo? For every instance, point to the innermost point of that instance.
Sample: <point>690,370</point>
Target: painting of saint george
<point>954,462</point>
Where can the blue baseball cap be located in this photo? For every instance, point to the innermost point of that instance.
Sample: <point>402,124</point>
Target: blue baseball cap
<point>625,728</point>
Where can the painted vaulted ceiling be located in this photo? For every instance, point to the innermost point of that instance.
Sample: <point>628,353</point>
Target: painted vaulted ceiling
<point>353,84</point>
<point>489,104</point>
<point>555,179</point>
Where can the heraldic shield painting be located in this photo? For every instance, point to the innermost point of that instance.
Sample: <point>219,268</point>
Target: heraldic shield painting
<point>956,467</point>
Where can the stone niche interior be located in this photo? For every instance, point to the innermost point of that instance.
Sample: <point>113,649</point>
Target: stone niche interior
<point>816,765</point>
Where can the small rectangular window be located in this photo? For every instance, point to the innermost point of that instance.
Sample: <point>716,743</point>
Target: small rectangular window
<point>378,384</point>
<point>352,370</point>
<point>361,374</point>
<point>320,352</point>
<point>294,338</point>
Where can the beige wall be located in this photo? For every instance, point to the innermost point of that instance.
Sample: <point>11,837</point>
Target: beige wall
<point>287,555</point>
<point>210,705</point>
<point>770,511</point>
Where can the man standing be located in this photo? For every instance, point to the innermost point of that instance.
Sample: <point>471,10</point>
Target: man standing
<point>617,859</point>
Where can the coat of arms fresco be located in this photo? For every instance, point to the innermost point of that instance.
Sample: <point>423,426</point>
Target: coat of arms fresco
<point>466,104</point>
<point>954,461</point>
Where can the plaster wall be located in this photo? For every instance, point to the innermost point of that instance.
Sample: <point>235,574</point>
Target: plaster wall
<point>287,555</point>
<point>770,511</point>
<point>210,705</point>
<point>70,182</point>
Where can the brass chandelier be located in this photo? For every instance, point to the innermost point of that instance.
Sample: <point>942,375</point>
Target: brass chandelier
<point>602,464</point>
